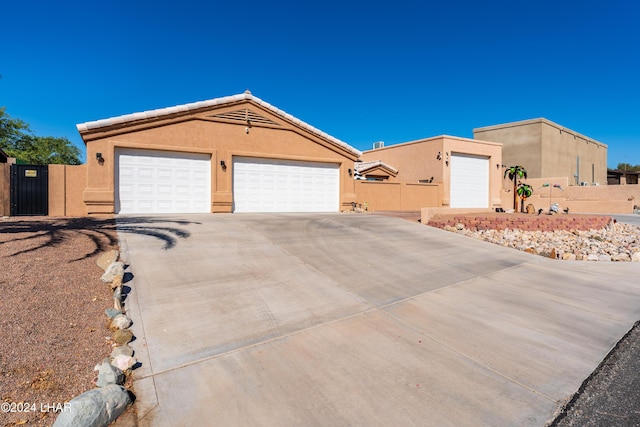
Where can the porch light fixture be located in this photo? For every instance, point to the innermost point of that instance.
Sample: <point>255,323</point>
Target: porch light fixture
<point>99,158</point>
<point>350,172</point>
<point>223,165</point>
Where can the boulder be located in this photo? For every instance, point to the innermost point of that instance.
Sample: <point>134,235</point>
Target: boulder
<point>123,362</point>
<point>97,407</point>
<point>531,209</point>
<point>121,321</point>
<point>117,281</point>
<point>459,226</point>
<point>115,269</point>
<point>123,350</point>
<point>108,374</point>
<point>112,312</point>
<point>635,257</point>
<point>107,258</point>
<point>593,257</point>
<point>122,336</point>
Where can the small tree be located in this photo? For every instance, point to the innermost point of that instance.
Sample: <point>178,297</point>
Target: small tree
<point>18,141</point>
<point>515,173</point>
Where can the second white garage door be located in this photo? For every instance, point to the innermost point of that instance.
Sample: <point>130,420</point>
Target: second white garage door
<point>162,182</point>
<point>469,181</point>
<point>271,185</point>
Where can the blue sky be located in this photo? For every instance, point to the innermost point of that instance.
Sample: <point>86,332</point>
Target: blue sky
<point>362,71</point>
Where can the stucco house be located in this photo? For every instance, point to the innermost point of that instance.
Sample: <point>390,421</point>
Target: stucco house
<point>547,149</point>
<point>468,170</point>
<point>231,154</point>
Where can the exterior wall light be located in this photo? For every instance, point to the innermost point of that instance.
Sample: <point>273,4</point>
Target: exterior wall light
<point>99,158</point>
<point>350,172</point>
<point>223,165</point>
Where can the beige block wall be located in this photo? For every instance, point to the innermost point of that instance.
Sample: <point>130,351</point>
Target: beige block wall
<point>588,199</point>
<point>418,160</point>
<point>547,149</point>
<point>66,187</point>
<point>396,196</point>
<point>222,141</point>
<point>521,145</point>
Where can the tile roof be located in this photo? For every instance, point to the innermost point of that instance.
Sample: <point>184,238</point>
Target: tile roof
<point>152,114</point>
<point>363,166</point>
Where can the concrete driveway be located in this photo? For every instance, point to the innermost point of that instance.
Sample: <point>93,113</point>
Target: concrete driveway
<point>346,319</point>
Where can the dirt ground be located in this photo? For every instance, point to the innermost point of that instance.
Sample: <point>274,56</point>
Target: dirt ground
<point>53,329</point>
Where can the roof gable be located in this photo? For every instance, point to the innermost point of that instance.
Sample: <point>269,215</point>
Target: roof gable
<point>241,115</point>
<point>377,165</point>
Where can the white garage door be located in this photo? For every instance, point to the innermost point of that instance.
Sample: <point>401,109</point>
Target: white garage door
<point>271,185</point>
<point>469,181</point>
<point>162,182</point>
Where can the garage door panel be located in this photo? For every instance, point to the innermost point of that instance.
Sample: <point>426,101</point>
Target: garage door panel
<point>469,183</point>
<point>271,185</point>
<point>162,182</point>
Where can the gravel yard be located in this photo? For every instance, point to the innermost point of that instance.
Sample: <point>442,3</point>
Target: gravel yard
<point>54,330</point>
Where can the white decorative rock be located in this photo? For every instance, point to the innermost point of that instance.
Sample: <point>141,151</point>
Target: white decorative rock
<point>123,362</point>
<point>115,269</point>
<point>121,321</point>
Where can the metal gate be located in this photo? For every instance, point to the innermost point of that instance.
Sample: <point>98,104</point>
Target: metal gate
<point>29,190</point>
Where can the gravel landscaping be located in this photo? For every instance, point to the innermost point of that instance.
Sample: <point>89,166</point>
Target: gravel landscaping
<point>53,323</point>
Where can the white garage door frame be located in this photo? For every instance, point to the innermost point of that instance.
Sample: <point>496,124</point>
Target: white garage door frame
<point>469,181</point>
<point>150,181</point>
<point>275,185</point>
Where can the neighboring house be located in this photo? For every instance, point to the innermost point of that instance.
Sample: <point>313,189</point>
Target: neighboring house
<point>620,177</point>
<point>375,171</point>
<point>230,154</point>
<point>546,149</point>
<point>469,170</point>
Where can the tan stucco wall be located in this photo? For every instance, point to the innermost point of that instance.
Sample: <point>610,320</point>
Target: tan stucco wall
<point>588,199</point>
<point>5,201</point>
<point>66,187</point>
<point>197,133</point>
<point>418,160</point>
<point>546,149</point>
<point>396,196</point>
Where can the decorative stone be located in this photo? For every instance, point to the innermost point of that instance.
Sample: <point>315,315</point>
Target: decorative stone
<point>459,226</point>
<point>602,243</point>
<point>97,407</point>
<point>116,282</point>
<point>123,362</point>
<point>108,374</point>
<point>107,258</point>
<point>123,350</point>
<point>568,257</point>
<point>121,321</point>
<point>593,257</point>
<point>112,312</point>
<point>114,270</point>
<point>122,336</point>
<point>117,298</point>
<point>635,257</point>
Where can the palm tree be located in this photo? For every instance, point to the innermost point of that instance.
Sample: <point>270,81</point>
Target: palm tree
<point>515,173</point>
<point>524,191</point>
